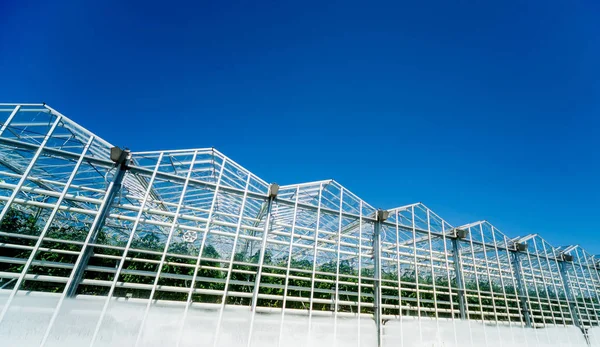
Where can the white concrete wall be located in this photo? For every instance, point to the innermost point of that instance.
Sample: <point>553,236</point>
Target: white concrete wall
<point>431,333</point>
<point>28,318</point>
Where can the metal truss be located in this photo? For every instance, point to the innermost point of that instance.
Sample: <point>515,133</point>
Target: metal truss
<point>193,226</point>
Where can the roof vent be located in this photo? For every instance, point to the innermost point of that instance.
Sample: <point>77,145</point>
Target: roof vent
<point>273,190</point>
<point>461,233</point>
<point>566,257</point>
<point>118,155</point>
<point>521,246</point>
<point>382,215</point>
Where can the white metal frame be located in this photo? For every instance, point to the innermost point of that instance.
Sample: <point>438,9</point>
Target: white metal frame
<point>227,201</point>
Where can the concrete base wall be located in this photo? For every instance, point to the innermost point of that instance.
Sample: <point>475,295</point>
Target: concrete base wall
<point>432,333</point>
<point>28,317</point>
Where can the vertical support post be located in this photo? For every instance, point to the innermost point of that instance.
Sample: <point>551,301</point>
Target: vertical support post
<point>336,288</point>
<point>272,194</point>
<point>231,259</point>
<point>381,216</point>
<point>121,159</point>
<point>273,190</point>
<point>398,269</point>
<point>289,265</point>
<point>516,255</point>
<point>563,262</point>
<point>359,267</point>
<point>459,278</point>
<point>314,261</point>
<point>377,278</point>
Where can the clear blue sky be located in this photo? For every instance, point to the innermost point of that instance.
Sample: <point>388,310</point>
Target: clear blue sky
<point>479,111</point>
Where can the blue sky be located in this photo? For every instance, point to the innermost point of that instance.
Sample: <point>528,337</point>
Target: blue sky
<point>479,109</point>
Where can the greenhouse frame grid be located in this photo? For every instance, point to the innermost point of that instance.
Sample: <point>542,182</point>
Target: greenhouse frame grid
<point>80,217</point>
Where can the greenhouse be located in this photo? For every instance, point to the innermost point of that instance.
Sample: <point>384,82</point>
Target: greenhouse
<point>103,246</point>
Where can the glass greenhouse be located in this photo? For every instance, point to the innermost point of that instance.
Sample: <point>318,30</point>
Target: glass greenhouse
<point>186,233</point>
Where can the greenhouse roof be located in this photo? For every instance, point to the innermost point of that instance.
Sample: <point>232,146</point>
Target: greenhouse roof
<point>29,124</point>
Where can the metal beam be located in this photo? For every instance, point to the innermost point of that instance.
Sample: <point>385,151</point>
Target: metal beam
<point>381,216</point>
<point>111,193</point>
<point>516,263</point>
<point>563,267</point>
<point>459,279</point>
<point>261,259</point>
